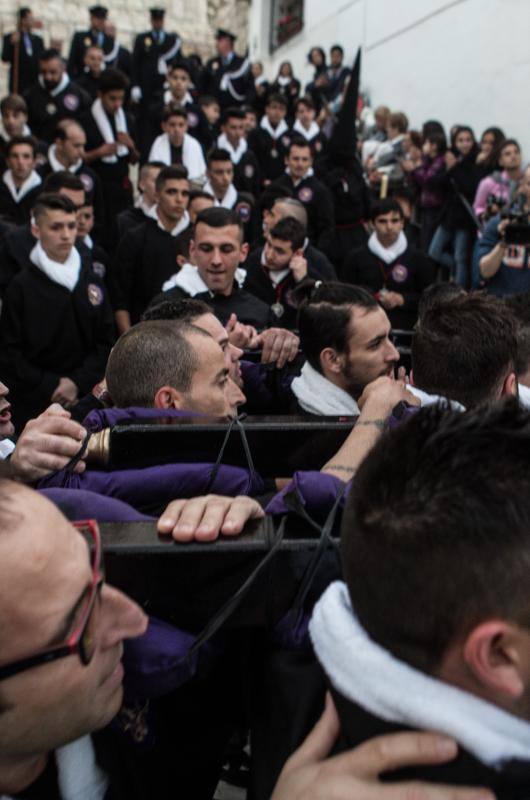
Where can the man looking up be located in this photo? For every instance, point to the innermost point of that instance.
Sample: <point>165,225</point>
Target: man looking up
<point>345,336</point>
<point>146,256</point>
<point>20,184</point>
<point>217,249</point>
<point>56,328</point>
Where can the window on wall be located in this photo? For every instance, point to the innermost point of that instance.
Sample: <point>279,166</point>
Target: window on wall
<point>287,19</point>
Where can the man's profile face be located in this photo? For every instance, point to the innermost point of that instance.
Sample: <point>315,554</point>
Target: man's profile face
<point>209,387</point>
<point>6,426</point>
<point>234,129</point>
<point>178,82</point>
<point>72,148</point>
<point>45,576</point>
<point>299,161</point>
<point>232,354</point>
<point>176,128</point>
<point>85,221</point>
<point>21,161</point>
<point>173,198</point>
<point>217,253</point>
<point>370,354</point>
<point>51,72</point>
<point>56,231</point>
<point>14,121</point>
<point>147,184</point>
<point>221,175</point>
<point>388,227</point>
<point>278,254</point>
<point>112,100</point>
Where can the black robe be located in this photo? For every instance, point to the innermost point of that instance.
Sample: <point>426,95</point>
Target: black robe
<point>409,275</point>
<point>48,332</point>
<point>243,87</point>
<point>269,152</point>
<point>145,259</point>
<point>17,213</point>
<point>250,310</point>
<point>318,203</point>
<point>28,64</point>
<point>45,110</point>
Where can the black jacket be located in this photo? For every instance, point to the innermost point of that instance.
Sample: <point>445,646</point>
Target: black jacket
<point>48,332</point>
<point>269,152</point>
<point>17,213</point>
<point>145,259</point>
<point>250,310</point>
<point>81,41</point>
<point>318,203</point>
<point>145,56</point>
<point>461,181</point>
<point>242,87</point>
<point>45,111</point>
<point>409,275</point>
<point>28,68</point>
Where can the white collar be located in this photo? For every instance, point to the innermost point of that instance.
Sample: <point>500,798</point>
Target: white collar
<point>235,155</point>
<point>309,174</point>
<point>427,399</point>
<point>388,254</point>
<point>228,201</point>
<point>283,80</point>
<point>32,181</point>
<point>317,395</point>
<point>187,100</point>
<point>63,83</point>
<point>102,121</point>
<point>142,205</point>
<point>313,131</point>
<point>88,241</point>
<point>189,280</point>
<point>6,448</point>
<point>274,133</point>
<point>181,225</point>
<point>368,675</point>
<point>56,165</point>
<point>66,274</point>
<point>26,131</point>
<point>78,774</point>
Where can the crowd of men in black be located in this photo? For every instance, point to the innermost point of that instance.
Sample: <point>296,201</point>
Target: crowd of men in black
<point>291,255</point>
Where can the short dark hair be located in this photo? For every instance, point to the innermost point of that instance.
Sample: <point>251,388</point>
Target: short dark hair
<point>24,12</point>
<point>52,202</point>
<point>272,193</point>
<point>304,101</point>
<point>276,98</point>
<point>112,80</point>
<point>186,310</point>
<point>290,230</point>
<point>436,530</point>
<point>399,121</point>
<point>208,100</point>
<point>438,139</point>
<point>150,355</point>
<point>63,180</point>
<point>15,103</point>
<point>232,113</point>
<point>173,110</point>
<point>436,293</point>
<point>179,64</point>
<point>177,172</point>
<point>297,141</point>
<point>338,48</point>
<point>507,143</point>
<point>324,317</point>
<point>50,54</point>
<point>195,194</point>
<point>30,141</point>
<point>218,154</point>
<point>464,347</point>
<point>218,217</point>
<point>385,206</point>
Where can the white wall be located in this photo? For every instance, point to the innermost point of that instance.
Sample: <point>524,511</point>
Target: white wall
<point>460,61</point>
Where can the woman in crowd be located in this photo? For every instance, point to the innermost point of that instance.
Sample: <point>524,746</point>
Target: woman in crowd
<point>490,141</point>
<point>429,179</point>
<point>288,86</point>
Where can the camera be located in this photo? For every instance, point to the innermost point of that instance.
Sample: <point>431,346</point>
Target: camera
<point>518,229</point>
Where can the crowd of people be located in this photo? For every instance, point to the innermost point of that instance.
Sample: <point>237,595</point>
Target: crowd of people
<point>185,240</point>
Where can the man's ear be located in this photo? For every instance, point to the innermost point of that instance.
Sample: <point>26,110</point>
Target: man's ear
<point>181,260</point>
<point>243,253</point>
<point>331,361</point>
<point>35,231</point>
<point>168,397</point>
<point>299,252</point>
<point>411,377</point>
<point>493,652</point>
<point>510,386</point>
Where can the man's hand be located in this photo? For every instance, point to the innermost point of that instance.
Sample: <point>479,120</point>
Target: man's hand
<point>123,138</point>
<point>243,336</point>
<point>202,519</point>
<point>382,395</point>
<point>354,775</point>
<point>47,443</point>
<point>65,393</point>
<point>107,149</point>
<point>391,299</point>
<point>278,346</point>
<point>501,227</point>
<point>298,266</point>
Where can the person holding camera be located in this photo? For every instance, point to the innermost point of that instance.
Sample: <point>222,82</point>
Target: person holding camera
<point>504,250</point>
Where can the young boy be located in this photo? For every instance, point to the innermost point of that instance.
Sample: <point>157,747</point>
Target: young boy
<point>232,139</point>
<point>176,146</point>
<point>20,183</point>
<point>306,127</point>
<point>271,140</point>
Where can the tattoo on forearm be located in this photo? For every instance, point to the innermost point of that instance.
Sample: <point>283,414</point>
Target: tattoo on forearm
<point>342,468</point>
<point>379,423</point>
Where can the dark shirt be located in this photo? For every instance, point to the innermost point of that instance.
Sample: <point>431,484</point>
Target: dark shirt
<point>318,203</point>
<point>28,62</point>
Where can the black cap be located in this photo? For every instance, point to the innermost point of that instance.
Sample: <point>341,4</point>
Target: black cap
<point>157,13</point>
<point>343,142</point>
<point>222,34</point>
<point>99,12</point>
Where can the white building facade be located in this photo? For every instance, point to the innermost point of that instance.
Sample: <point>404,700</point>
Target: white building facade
<point>459,61</point>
